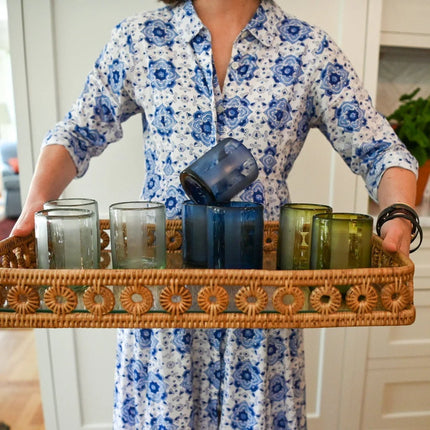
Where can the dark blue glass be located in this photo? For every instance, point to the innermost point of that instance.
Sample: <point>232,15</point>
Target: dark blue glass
<point>235,236</point>
<point>194,235</point>
<point>220,174</point>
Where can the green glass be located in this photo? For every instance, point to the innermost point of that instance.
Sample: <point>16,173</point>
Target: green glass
<point>341,241</point>
<point>295,231</point>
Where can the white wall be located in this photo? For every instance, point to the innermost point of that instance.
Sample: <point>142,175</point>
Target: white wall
<point>118,174</point>
<point>61,43</point>
<point>7,130</point>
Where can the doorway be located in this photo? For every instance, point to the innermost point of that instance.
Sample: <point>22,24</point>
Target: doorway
<point>20,398</point>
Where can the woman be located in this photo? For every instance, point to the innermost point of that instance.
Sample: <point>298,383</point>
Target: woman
<point>198,72</point>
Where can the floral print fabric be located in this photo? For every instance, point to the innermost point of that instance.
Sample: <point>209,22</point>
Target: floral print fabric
<point>285,77</point>
<point>210,379</point>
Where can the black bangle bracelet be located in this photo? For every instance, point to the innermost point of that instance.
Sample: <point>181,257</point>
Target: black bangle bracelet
<point>400,210</point>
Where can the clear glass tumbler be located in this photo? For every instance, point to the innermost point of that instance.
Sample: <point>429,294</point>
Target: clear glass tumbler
<point>138,235</point>
<point>80,203</point>
<point>220,174</point>
<point>65,239</point>
<point>235,236</point>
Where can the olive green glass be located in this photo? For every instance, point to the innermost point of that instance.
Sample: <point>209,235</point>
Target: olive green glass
<point>294,240</point>
<point>341,241</point>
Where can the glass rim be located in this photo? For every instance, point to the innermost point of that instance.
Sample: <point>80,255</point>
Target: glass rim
<point>134,205</point>
<point>65,213</point>
<point>344,216</point>
<point>72,201</point>
<point>236,205</point>
<point>188,174</point>
<point>305,206</point>
<point>192,203</point>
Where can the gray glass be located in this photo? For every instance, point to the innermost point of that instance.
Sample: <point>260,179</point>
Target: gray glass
<point>138,235</point>
<point>80,203</point>
<point>65,239</point>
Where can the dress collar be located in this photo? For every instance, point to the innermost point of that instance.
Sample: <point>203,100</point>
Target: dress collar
<point>261,26</point>
<point>186,20</point>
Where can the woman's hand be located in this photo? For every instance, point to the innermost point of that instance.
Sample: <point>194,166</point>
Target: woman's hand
<point>54,171</point>
<point>25,223</point>
<point>396,235</point>
<point>397,186</point>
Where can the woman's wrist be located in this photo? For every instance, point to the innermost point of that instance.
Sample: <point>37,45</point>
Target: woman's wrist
<point>406,212</point>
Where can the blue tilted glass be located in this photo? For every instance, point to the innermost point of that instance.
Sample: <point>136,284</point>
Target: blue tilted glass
<point>220,174</point>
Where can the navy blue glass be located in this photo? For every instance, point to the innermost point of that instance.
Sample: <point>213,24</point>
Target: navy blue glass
<point>235,236</point>
<point>220,174</point>
<point>194,235</point>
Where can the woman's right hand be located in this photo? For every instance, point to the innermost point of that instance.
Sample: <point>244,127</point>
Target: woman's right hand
<point>54,171</point>
<point>25,223</point>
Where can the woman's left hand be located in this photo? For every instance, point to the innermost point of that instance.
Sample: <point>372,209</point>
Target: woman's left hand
<point>396,235</point>
<point>397,185</point>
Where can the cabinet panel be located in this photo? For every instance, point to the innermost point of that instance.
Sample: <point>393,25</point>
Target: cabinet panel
<point>406,23</point>
<point>421,260</point>
<point>406,17</point>
<point>397,399</point>
<point>404,341</point>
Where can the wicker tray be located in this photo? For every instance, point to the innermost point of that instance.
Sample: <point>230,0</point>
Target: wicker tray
<point>202,298</point>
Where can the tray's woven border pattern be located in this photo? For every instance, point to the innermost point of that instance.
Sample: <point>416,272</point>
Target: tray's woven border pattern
<point>381,295</point>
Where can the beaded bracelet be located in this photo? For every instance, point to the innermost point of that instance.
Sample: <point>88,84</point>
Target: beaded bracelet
<point>401,210</point>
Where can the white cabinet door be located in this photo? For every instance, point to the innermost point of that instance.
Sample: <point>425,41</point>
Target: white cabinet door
<point>405,24</point>
<point>54,45</point>
<point>397,390</point>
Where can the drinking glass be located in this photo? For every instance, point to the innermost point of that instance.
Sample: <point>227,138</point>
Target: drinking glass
<point>194,235</point>
<point>235,236</point>
<point>341,241</point>
<point>65,239</point>
<point>138,235</point>
<point>295,231</point>
<point>220,173</point>
<point>82,203</point>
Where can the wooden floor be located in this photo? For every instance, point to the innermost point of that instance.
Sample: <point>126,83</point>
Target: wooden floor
<point>20,401</point>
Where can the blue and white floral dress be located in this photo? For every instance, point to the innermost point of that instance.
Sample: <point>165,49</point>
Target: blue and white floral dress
<point>285,76</point>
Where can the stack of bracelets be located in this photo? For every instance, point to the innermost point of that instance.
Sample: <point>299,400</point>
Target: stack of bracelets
<point>400,210</point>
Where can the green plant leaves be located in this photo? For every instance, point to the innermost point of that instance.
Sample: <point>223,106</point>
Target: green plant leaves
<point>411,122</point>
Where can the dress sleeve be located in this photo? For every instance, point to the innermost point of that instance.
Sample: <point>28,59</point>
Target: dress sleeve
<point>344,112</point>
<point>94,121</point>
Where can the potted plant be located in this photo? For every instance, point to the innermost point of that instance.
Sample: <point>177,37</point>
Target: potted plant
<point>411,122</point>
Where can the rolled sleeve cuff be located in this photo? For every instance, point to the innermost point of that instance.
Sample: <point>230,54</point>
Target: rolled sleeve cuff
<point>79,156</point>
<point>397,157</point>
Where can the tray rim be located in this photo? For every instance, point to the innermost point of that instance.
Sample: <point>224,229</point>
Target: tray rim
<point>402,268</point>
